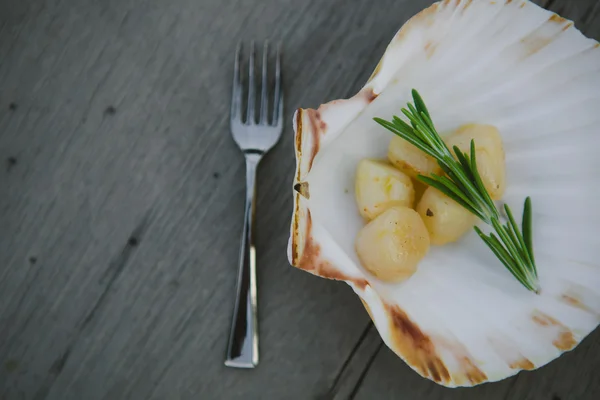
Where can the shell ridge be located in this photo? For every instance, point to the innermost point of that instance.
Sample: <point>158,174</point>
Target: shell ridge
<point>501,86</point>
<point>498,326</point>
<point>484,62</point>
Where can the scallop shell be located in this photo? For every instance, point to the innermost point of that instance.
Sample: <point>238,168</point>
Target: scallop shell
<point>462,319</point>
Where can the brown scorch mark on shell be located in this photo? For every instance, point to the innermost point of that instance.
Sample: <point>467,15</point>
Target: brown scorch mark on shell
<point>572,301</point>
<point>318,128</point>
<point>467,5</point>
<point>430,49</point>
<point>473,374</point>
<point>535,41</point>
<point>367,308</point>
<point>565,339</point>
<point>560,20</point>
<point>296,231</point>
<point>577,303</point>
<point>311,260</point>
<point>467,370</point>
<point>415,347</point>
<point>302,188</point>
<point>368,94</point>
<point>523,363</point>
<point>557,18</point>
<point>506,349</point>
<point>533,44</point>
<point>298,138</point>
<point>317,124</point>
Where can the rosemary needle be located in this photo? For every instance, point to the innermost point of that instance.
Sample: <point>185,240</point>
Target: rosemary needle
<point>462,183</point>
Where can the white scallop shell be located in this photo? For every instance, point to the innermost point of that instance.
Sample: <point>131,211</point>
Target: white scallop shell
<point>462,319</point>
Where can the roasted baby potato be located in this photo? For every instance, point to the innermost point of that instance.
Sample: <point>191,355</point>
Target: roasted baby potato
<point>391,246</point>
<point>410,160</point>
<point>489,152</point>
<point>446,220</point>
<point>380,186</point>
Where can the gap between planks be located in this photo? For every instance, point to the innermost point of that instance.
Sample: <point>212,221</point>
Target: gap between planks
<point>352,373</point>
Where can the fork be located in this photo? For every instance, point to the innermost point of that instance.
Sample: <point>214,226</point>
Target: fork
<point>255,139</point>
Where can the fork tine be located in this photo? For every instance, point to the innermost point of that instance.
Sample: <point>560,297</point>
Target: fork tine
<point>278,102</point>
<point>236,96</point>
<point>279,122</point>
<point>250,114</point>
<point>264,96</point>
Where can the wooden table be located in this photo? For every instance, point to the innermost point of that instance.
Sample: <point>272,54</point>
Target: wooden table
<point>121,201</point>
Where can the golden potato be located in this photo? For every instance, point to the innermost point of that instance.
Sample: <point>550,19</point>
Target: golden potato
<point>391,246</point>
<point>410,160</point>
<point>380,186</point>
<point>445,219</point>
<point>489,152</point>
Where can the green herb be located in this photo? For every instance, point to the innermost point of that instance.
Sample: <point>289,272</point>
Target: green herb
<point>463,184</point>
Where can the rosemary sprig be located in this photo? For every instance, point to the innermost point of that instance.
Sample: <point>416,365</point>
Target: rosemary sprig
<point>463,184</point>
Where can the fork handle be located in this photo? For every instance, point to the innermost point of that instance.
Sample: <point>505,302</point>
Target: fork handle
<point>242,350</point>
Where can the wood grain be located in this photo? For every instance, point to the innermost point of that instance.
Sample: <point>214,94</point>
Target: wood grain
<point>351,375</point>
<point>121,201</point>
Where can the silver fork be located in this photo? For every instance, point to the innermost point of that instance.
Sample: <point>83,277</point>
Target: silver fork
<point>254,139</point>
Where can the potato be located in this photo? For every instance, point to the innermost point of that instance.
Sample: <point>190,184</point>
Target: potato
<point>391,246</point>
<point>380,186</point>
<point>445,219</point>
<point>410,160</point>
<point>489,152</point>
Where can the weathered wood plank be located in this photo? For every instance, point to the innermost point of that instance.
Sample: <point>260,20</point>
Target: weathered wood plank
<point>122,200</point>
<point>121,206</point>
<point>350,377</point>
